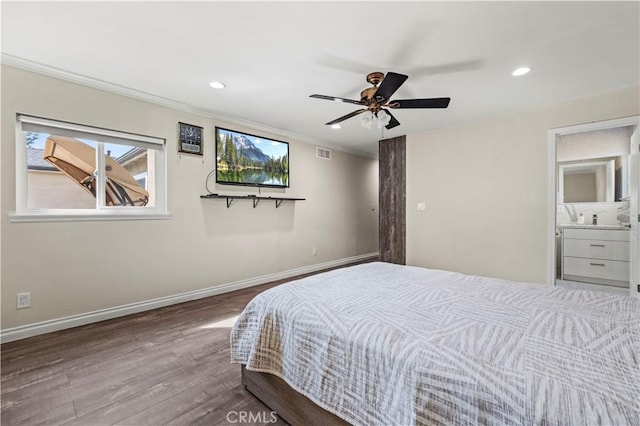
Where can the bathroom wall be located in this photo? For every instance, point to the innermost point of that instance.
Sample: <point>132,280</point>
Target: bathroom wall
<point>595,144</point>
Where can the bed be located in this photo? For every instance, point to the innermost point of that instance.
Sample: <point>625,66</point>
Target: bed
<point>386,344</point>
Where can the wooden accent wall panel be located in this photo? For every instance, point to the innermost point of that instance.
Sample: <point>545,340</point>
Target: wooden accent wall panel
<point>392,199</point>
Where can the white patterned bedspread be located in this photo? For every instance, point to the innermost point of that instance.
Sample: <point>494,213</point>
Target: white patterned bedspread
<point>383,344</point>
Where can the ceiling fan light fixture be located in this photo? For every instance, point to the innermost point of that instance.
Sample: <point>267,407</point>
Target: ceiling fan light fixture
<point>367,120</point>
<point>217,85</point>
<point>520,71</point>
<point>383,118</point>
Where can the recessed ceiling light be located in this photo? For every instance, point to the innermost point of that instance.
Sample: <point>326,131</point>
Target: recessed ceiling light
<point>335,126</point>
<point>520,71</point>
<point>217,85</point>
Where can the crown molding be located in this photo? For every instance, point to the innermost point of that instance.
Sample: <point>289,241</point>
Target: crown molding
<point>39,68</point>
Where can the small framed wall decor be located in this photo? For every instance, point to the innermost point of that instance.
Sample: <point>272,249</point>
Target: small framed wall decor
<point>190,139</point>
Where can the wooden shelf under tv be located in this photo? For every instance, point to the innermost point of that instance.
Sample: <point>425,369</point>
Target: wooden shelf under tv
<point>256,199</point>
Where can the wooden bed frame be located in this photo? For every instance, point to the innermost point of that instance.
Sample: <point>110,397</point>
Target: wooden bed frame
<point>291,406</point>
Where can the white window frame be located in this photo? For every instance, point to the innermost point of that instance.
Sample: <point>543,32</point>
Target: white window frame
<point>28,123</point>
<point>144,175</point>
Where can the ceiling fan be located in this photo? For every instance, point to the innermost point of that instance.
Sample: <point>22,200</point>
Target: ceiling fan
<point>376,100</point>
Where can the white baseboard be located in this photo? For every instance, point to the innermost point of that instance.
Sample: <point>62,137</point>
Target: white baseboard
<point>29,330</point>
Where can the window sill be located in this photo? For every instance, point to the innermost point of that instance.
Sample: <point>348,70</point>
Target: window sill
<point>86,216</point>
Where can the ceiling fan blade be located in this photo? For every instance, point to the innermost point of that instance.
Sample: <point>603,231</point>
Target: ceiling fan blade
<point>391,82</point>
<point>420,103</point>
<point>337,99</point>
<point>393,122</point>
<point>345,117</point>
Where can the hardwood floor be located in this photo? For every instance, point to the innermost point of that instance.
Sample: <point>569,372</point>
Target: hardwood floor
<point>166,366</point>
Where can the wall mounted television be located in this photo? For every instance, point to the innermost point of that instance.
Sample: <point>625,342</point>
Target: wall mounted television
<point>250,160</point>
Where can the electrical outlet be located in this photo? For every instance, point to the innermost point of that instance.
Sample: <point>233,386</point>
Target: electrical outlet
<point>422,206</point>
<point>23,300</point>
<point>314,251</point>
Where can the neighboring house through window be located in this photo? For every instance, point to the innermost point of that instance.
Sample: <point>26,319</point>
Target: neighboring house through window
<point>67,171</point>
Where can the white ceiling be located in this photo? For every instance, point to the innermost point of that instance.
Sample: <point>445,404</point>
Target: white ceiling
<point>273,55</point>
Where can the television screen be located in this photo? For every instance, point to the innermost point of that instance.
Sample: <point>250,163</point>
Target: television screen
<point>244,159</point>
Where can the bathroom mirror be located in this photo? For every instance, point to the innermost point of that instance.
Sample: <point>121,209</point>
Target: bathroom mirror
<point>599,180</point>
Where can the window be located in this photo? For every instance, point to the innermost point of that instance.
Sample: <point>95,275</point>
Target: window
<point>67,171</point>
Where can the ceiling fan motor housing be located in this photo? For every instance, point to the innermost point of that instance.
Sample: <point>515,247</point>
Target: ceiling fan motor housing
<point>374,103</point>
<point>375,78</point>
<point>367,96</point>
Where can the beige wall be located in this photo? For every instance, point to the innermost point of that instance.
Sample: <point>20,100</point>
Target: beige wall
<point>485,185</point>
<point>77,267</point>
<point>595,144</point>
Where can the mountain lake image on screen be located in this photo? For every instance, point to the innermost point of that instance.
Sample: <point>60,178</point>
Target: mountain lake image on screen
<point>244,159</point>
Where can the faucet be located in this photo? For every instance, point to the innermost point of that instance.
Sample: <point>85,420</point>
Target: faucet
<point>571,211</point>
<point>594,220</point>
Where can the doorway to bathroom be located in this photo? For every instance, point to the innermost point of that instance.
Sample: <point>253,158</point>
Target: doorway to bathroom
<point>594,180</point>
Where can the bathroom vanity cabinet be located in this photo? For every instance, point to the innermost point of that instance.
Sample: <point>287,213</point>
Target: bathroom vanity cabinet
<point>598,256</point>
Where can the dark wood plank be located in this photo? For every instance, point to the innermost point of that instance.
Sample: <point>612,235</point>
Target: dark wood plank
<point>57,415</point>
<point>392,200</point>
<point>226,408</point>
<point>182,403</point>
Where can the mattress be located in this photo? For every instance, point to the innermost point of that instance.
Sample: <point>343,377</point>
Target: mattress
<point>385,344</point>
